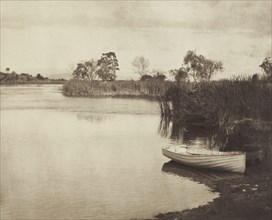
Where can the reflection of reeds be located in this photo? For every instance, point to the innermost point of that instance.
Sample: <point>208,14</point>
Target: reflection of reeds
<point>92,117</point>
<point>190,134</point>
<point>164,127</point>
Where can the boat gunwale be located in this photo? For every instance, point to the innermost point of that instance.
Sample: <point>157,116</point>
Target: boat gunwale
<point>222,153</point>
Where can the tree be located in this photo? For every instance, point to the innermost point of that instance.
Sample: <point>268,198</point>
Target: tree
<point>107,66</point>
<point>86,70</point>
<point>146,77</point>
<point>7,69</point>
<point>13,76</point>
<point>80,71</point>
<point>267,66</point>
<point>140,65</point>
<point>200,67</point>
<point>158,74</point>
<point>39,77</point>
<point>180,74</point>
<point>160,77</point>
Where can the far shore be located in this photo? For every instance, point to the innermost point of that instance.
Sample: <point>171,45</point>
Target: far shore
<point>25,79</point>
<point>33,83</point>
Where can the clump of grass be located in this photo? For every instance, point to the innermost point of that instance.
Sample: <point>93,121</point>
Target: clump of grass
<point>149,88</point>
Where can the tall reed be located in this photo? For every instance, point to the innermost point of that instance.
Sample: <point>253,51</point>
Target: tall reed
<point>149,88</point>
<point>220,103</point>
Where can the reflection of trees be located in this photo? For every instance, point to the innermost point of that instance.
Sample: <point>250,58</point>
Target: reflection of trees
<point>191,134</point>
<point>91,117</point>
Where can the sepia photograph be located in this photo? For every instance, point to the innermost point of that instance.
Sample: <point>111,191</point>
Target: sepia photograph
<point>136,110</point>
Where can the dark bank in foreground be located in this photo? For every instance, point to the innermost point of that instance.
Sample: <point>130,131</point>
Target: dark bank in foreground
<point>242,196</point>
<point>247,196</point>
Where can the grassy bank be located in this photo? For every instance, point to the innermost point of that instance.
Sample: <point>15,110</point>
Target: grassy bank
<point>219,104</point>
<point>85,88</point>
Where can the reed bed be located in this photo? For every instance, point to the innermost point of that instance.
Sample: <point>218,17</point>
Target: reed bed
<point>219,104</point>
<point>85,88</point>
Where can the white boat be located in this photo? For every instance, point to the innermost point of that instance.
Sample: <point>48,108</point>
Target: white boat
<point>234,161</point>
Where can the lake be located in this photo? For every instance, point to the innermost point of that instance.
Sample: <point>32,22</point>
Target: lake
<point>86,158</point>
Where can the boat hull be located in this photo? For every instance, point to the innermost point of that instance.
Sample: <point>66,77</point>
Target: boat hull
<point>232,162</point>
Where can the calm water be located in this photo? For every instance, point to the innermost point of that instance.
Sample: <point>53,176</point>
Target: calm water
<point>83,158</point>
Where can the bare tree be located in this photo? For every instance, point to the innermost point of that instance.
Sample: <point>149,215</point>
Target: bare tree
<point>140,64</point>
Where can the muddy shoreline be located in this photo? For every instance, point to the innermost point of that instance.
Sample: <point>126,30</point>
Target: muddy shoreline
<point>247,196</point>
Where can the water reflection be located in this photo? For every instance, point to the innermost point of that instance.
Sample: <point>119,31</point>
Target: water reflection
<point>204,176</point>
<point>94,118</point>
<point>192,135</point>
<point>78,158</point>
<point>165,127</point>
<point>49,97</point>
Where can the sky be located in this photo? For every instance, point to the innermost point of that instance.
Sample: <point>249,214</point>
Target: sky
<point>51,37</point>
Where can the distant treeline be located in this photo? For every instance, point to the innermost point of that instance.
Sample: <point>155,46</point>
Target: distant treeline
<point>98,78</point>
<point>25,78</point>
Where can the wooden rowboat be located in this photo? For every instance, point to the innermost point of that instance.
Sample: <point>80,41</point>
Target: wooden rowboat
<point>234,161</point>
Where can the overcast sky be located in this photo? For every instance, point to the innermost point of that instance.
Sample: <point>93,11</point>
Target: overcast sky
<point>52,36</point>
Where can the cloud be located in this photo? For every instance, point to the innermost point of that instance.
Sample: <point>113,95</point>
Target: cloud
<point>243,17</point>
<point>248,17</point>
<point>57,33</point>
<point>268,53</point>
